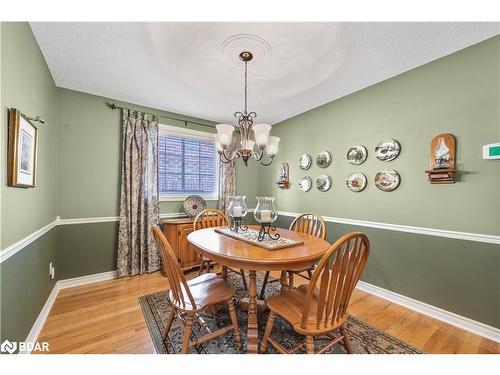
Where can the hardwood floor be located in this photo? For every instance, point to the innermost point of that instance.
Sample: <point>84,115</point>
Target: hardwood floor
<point>106,317</point>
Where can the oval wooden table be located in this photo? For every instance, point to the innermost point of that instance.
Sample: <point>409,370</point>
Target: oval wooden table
<point>239,254</point>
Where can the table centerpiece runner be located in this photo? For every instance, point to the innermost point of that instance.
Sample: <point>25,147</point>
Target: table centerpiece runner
<point>251,235</point>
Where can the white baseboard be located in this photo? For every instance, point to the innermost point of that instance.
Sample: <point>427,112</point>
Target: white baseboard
<point>42,317</point>
<point>89,279</point>
<point>63,284</point>
<point>456,320</point>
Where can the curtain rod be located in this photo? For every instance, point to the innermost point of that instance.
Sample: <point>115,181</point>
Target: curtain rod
<point>113,106</point>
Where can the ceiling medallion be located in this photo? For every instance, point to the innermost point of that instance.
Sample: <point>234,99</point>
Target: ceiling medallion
<point>245,123</point>
<point>232,46</point>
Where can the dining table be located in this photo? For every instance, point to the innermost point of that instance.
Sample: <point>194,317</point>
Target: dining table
<point>236,253</point>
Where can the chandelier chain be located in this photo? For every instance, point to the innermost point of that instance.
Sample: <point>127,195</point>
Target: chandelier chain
<point>246,86</point>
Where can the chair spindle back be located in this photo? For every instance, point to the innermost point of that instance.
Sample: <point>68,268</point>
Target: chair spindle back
<point>210,218</point>
<point>337,273</point>
<point>309,223</point>
<point>171,268</point>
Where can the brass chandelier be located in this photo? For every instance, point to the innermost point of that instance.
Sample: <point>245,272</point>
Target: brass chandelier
<point>245,120</point>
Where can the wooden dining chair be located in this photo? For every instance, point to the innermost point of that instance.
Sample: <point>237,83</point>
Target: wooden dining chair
<point>320,308</point>
<point>188,298</point>
<point>308,223</point>
<point>209,218</point>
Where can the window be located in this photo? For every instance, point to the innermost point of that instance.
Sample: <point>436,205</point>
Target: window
<point>187,164</point>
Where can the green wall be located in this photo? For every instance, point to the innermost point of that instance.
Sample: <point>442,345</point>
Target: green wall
<point>455,275</point>
<point>86,249</point>
<point>89,180</point>
<point>458,94</point>
<point>82,182</point>
<point>25,286</point>
<point>27,85</point>
<point>79,164</point>
<point>90,140</point>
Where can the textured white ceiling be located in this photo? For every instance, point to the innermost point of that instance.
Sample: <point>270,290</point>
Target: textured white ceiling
<point>180,67</point>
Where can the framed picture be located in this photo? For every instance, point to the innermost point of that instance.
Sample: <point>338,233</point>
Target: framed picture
<point>22,150</point>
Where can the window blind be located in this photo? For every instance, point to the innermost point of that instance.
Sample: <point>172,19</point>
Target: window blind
<point>186,165</point>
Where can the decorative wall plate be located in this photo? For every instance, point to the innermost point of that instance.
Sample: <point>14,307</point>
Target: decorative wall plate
<point>323,159</point>
<point>387,150</point>
<point>305,183</point>
<point>193,205</point>
<point>357,155</point>
<point>305,161</point>
<point>387,180</point>
<point>323,182</point>
<point>356,182</point>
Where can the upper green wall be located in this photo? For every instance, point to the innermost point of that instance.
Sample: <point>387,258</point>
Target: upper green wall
<point>457,94</point>
<point>90,144</point>
<point>27,85</point>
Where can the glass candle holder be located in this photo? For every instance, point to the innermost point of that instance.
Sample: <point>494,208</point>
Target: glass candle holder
<point>237,210</point>
<point>265,214</point>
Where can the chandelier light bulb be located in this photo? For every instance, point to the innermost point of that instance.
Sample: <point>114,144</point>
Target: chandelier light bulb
<point>225,134</point>
<point>247,145</point>
<point>261,132</point>
<point>272,146</point>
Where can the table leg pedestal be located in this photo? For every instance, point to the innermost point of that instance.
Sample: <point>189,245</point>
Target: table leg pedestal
<point>283,281</point>
<point>252,333</point>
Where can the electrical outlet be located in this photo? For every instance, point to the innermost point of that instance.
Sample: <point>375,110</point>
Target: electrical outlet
<point>52,271</point>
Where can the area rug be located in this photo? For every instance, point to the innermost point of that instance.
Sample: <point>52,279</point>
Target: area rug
<point>365,338</point>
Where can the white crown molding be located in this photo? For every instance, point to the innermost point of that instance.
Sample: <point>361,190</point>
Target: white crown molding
<point>476,237</point>
<point>456,320</point>
<point>63,284</point>
<point>21,244</point>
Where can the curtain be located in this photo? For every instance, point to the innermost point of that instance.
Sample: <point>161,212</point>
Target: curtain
<point>139,203</point>
<point>227,179</point>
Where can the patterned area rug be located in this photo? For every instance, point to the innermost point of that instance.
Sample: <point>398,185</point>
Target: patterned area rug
<point>365,338</point>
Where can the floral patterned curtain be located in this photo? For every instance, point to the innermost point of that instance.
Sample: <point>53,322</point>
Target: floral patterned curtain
<point>227,179</point>
<point>139,203</point>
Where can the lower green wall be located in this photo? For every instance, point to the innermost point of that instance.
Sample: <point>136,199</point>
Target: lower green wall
<point>25,286</point>
<point>86,249</point>
<point>455,275</point>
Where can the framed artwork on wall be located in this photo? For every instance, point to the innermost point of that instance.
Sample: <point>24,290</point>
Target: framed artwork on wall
<point>21,151</point>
